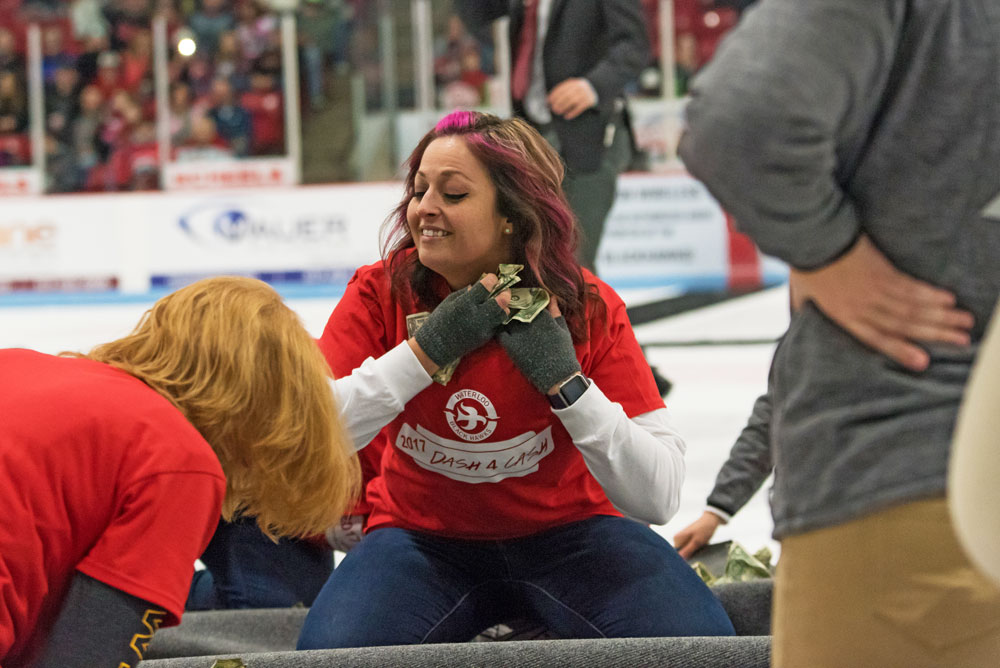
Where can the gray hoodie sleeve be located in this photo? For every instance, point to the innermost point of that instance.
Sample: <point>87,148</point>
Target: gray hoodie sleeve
<point>766,115</point>
<point>749,462</point>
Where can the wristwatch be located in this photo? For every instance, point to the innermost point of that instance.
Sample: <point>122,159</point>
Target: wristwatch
<point>569,391</point>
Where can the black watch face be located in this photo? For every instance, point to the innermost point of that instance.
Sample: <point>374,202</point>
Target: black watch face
<point>573,389</point>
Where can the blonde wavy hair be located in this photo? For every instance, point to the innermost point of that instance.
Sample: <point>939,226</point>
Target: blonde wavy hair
<point>240,366</point>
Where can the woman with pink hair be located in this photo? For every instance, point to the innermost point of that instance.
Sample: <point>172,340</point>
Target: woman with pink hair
<point>518,454</point>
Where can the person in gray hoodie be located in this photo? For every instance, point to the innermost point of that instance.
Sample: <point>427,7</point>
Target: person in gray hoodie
<point>859,141</point>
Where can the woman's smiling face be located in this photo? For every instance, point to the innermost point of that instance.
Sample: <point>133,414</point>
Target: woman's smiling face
<point>453,215</point>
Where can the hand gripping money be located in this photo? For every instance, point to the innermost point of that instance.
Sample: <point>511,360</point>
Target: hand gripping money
<point>451,329</point>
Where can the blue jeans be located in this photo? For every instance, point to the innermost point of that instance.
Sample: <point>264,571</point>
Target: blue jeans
<point>600,577</point>
<point>244,569</point>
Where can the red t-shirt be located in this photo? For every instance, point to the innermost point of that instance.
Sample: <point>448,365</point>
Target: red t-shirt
<point>483,457</point>
<point>98,474</point>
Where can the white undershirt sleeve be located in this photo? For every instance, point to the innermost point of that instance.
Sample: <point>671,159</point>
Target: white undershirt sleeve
<point>378,390</point>
<point>720,513</point>
<point>639,462</point>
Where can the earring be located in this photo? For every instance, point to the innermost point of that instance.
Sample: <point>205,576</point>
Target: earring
<point>507,230</point>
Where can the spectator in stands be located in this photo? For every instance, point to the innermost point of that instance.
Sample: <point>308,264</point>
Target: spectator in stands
<point>13,103</point>
<point>54,52</point>
<point>229,63</point>
<point>458,68</point>
<point>109,75</point>
<point>92,33</point>
<point>208,22</point>
<point>60,165</point>
<point>204,143</point>
<point>85,133</point>
<point>266,106</point>
<point>118,464</point>
<point>15,150</point>
<point>365,60</point>
<point>256,29</point>
<point>134,161</point>
<point>143,158</point>
<point>62,101</point>
<point>197,72</point>
<point>270,61</point>
<point>181,112</point>
<point>137,60</point>
<point>685,61</point>
<point>121,116</point>
<point>232,121</point>
<point>448,51</point>
<point>503,484</point>
<point>171,14</point>
<point>145,96</point>
<point>10,59</point>
<point>317,25</point>
<point>125,18</point>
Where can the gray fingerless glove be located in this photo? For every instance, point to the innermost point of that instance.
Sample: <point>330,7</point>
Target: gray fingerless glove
<point>542,349</point>
<point>464,321</point>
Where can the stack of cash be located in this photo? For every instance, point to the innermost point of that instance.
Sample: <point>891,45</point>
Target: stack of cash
<point>525,305</point>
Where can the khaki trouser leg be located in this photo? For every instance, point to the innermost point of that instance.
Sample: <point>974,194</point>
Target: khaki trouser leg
<point>890,589</point>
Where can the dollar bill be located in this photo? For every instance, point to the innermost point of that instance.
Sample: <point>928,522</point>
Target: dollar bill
<point>229,663</point>
<point>741,566</point>
<point>703,572</point>
<point>414,321</point>
<point>526,304</point>
<point>507,275</point>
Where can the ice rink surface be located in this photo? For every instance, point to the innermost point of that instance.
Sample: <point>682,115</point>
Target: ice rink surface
<point>716,357</point>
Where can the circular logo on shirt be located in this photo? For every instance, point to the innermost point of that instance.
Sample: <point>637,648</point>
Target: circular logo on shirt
<point>471,415</point>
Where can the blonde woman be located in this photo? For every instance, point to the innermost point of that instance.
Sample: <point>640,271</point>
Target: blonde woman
<point>116,465</point>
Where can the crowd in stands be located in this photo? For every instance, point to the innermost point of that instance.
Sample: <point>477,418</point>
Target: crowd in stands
<point>100,109</point>
<point>225,98</point>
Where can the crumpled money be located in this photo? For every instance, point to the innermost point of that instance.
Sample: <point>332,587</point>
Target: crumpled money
<point>525,303</point>
<point>229,663</point>
<point>741,566</point>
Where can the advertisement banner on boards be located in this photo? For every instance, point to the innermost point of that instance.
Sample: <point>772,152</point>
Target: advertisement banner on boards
<point>54,244</point>
<point>16,181</point>
<point>664,229</point>
<point>665,234</point>
<point>311,234</point>
<point>242,173</point>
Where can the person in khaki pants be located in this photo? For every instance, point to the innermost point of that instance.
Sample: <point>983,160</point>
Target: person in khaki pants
<point>859,141</point>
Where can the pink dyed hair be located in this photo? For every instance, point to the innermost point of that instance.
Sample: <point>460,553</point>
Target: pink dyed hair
<point>527,174</point>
